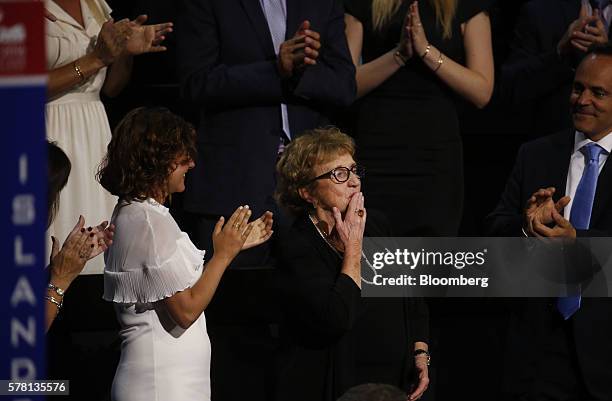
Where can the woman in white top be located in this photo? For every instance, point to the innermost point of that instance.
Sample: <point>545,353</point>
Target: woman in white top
<point>82,41</point>
<point>154,273</point>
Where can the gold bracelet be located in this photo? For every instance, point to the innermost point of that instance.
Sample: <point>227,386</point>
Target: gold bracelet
<point>427,49</point>
<point>440,61</point>
<point>78,71</point>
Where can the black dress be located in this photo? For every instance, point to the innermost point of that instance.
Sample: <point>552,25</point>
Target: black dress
<point>332,338</point>
<point>407,130</point>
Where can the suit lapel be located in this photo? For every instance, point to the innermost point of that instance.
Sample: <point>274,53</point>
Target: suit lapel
<point>260,25</point>
<point>563,144</point>
<point>294,17</point>
<point>571,10</point>
<point>603,192</point>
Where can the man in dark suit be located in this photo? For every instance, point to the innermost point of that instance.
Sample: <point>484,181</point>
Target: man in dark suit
<point>550,37</point>
<point>561,186</point>
<point>260,72</point>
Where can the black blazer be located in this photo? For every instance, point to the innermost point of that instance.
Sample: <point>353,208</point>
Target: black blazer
<point>533,78</point>
<point>540,164</point>
<point>334,339</point>
<point>227,66</point>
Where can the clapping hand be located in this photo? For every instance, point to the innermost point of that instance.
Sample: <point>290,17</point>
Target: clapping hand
<point>299,51</point>
<point>261,231</point>
<point>229,238</point>
<point>584,32</point>
<point>414,30</point>
<point>540,209</point>
<point>145,38</point>
<point>81,245</point>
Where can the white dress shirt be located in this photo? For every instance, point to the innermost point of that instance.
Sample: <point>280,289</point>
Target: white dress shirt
<point>576,166</point>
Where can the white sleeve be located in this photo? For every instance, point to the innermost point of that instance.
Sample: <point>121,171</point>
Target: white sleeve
<point>150,259</point>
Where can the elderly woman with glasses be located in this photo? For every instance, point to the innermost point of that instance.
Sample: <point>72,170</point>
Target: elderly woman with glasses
<point>334,339</point>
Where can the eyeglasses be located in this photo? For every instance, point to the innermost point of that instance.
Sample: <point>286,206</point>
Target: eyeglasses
<point>342,174</point>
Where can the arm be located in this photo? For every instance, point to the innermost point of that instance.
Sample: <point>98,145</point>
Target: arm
<point>332,79</point>
<point>369,75</point>
<point>474,82</point>
<point>81,245</point>
<point>140,39</point>
<point>531,71</point>
<point>204,78</point>
<point>186,306</point>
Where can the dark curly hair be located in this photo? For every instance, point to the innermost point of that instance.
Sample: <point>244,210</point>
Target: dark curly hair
<point>143,151</point>
<point>58,170</point>
<point>295,169</point>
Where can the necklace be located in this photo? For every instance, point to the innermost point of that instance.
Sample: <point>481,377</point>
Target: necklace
<point>314,222</point>
<point>338,253</point>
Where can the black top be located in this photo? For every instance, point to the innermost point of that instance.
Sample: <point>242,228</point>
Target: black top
<point>333,338</point>
<point>415,79</point>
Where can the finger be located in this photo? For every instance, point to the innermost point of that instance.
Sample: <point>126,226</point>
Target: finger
<point>303,26</point>
<point>312,34</point>
<point>584,12</point>
<point>218,226</point>
<point>246,233</point>
<point>294,47</point>
<point>49,15</point>
<point>233,218</point>
<point>310,61</point>
<point>578,46</point>
<point>585,37</point>
<point>54,248</point>
<point>157,49</point>
<point>559,219</point>
<point>141,19</point>
<point>337,216</point>
<point>246,215</point>
<point>541,229</point>
<point>562,203</point>
<point>315,44</point>
<point>311,53</point>
<point>596,31</point>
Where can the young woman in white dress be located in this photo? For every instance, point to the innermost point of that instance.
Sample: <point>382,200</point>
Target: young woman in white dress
<point>87,52</point>
<point>154,274</point>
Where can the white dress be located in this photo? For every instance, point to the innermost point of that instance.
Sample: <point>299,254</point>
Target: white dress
<point>76,120</point>
<point>151,259</point>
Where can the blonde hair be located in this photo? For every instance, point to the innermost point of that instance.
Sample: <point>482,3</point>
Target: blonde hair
<point>445,10</point>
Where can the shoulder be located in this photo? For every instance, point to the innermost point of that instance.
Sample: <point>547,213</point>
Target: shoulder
<point>467,9</point>
<point>359,9</point>
<point>541,146</point>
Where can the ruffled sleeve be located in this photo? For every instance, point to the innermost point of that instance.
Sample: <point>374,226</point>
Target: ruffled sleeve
<point>149,260</point>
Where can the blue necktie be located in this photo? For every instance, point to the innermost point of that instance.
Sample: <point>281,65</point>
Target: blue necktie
<point>580,215</point>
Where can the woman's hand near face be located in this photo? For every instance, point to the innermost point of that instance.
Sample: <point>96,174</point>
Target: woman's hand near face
<point>228,239</point>
<point>350,230</point>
